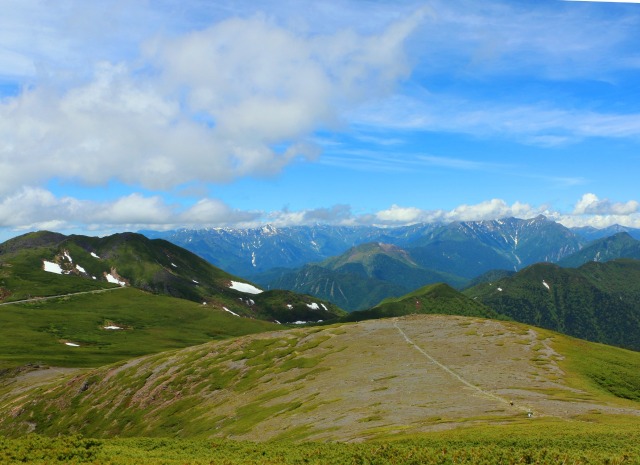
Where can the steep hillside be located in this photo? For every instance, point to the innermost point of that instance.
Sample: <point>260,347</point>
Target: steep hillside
<point>122,259</point>
<point>620,245</point>
<point>49,264</point>
<point>490,276</point>
<point>388,263</point>
<point>598,301</point>
<point>345,383</point>
<point>471,248</point>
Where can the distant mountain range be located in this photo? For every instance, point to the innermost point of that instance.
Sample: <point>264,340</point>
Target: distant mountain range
<point>356,267</point>
<point>589,233</point>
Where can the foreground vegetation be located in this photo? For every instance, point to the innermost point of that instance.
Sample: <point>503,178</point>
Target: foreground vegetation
<point>607,441</point>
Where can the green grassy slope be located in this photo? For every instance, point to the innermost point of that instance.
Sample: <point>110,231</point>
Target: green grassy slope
<point>620,245</point>
<point>36,332</point>
<point>153,265</point>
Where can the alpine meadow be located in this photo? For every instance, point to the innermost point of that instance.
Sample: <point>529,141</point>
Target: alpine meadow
<point>325,232</point>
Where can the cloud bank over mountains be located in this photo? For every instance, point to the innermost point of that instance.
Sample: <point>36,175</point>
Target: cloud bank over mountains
<point>35,209</point>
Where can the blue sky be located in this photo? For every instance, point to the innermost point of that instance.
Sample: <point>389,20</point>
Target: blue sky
<point>119,115</point>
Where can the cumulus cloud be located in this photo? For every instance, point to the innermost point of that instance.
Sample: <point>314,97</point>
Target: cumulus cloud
<point>216,213</point>
<point>396,214</point>
<point>133,209</point>
<point>590,204</point>
<point>239,98</point>
<point>492,209</point>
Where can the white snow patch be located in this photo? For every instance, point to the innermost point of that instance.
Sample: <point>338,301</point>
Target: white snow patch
<point>290,307</point>
<point>500,289</point>
<point>325,307</point>
<point>195,281</point>
<point>253,259</point>
<point>174,265</point>
<point>277,322</point>
<point>94,255</point>
<point>113,279</point>
<point>245,287</point>
<point>80,269</point>
<point>299,323</point>
<point>52,267</point>
<point>72,344</point>
<point>545,284</point>
<point>227,310</point>
<point>66,254</point>
<point>111,327</point>
<point>313,306</point>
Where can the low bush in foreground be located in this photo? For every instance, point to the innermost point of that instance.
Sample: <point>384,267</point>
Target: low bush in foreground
<point>543,442</point>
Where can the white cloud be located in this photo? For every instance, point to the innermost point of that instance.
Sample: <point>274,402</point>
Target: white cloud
<point>216,213</point>
<point>236,99</point>
<point>492,209</point>
<point>590,204</point>
<point>133,209</point>
<point>32,208</point>
<point>397,214</point>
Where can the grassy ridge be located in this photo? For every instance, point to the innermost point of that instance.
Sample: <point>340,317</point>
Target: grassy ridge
<point>613,441</point>
<point>292,385</point>
<point>36,332</point>
<point>432,299</point>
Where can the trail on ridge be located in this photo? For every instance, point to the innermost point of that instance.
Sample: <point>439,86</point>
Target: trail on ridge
<point>453,373</point>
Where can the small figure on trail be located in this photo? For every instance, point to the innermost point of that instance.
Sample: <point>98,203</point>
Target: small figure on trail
<point>511,403</point>
<point>529,414</point>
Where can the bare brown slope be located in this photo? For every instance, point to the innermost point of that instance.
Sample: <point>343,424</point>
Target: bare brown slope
<point>349,382</point>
